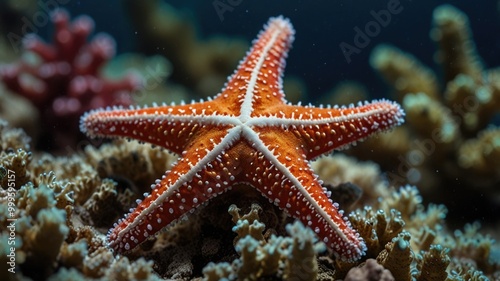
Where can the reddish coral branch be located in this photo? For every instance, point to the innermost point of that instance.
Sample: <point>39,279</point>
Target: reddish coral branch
<point>65,81</point>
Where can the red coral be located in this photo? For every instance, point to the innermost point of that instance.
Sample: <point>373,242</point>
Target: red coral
<point>65,82</point>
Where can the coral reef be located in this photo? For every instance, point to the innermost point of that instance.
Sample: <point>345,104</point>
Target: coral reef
<point>371,271</point>
<point>52,198</point>
<point>450,142</point>
<point>73,200</point>
<point>62,80</point>
<point>13,24</point>
<point>405,236</point>
<point>64,205</point>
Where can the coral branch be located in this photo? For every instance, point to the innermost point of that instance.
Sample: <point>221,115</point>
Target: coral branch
<point>64,80</point>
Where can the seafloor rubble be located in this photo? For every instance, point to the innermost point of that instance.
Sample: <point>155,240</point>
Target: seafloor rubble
<point>64,205</point>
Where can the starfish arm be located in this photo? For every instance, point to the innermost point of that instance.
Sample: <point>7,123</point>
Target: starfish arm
<point>284,176</point>
<point>193,180</point>
<point>247,134</point>
<point>325,129</point>
<point>258,78</point>
<point>170,127</point>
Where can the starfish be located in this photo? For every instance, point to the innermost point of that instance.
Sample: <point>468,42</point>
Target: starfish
<point>248,134</point>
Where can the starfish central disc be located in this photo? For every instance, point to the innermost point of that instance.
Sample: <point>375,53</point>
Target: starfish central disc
<point>248,134</point>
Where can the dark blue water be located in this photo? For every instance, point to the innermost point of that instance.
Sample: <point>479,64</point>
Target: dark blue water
<point>321,27</point>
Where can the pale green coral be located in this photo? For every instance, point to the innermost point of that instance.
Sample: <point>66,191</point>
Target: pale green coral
<point>16,163</point>
<point>33,199</point>
<point>470,249</point>
<point>44,240</point>
<point>223,271</point>
<point>433,264</point>
<point>73,255</point>
<point>408,201</point>
<point>301,263</point>
<point>447,123</point>
<point>68,274</point>
<point>11,138</point>
<point>457,49</point>
<point>248,224</point>
<point>123,270</point>
<point>404,72</point>
<point>397,257</point>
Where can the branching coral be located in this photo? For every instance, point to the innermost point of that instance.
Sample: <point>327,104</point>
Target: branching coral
<point>397,257</point>
<point>14,156</point>
<point>434,264</point>
<point>449,142</point>
<point>48,231</point>
<point>292,258</point>
<point>120,157</point>
<point>12,139</point>
<point>412,242</point>
<point>377,227</point>
<point>82,201</point>
<point>471,250</point>
<point>481,155</point>
<point>40,227</point>
<point>19,112</point>
<point>74,199</point>
<point>63,80</point>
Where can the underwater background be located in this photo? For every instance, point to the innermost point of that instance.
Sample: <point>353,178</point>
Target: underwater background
<point>424,196</point>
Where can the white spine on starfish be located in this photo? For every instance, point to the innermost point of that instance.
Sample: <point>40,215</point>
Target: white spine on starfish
<point>232,135</point>
<point>213,119</point>
<point>246,106</point>
<point>263,121</point>
<point>253,137</point>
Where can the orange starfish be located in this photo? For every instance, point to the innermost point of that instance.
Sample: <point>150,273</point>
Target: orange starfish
<point>248,134</point>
